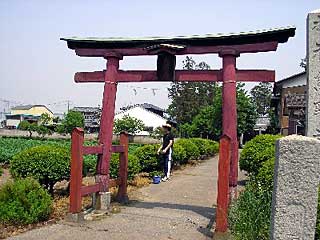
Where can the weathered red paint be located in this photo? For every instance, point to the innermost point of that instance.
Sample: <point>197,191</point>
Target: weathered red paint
<point>77,139</point>
<point>86,190</point>
<point>223,184</point>
<point>92,150</point>
<point>77,191</point>
<point>107,116</point>
<point>180,76</point>
<point>123,172</point>
<point>229,112</point>
<point>243,48</point>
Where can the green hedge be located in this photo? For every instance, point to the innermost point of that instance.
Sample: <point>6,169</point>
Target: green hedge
<point>24,201</point>
<point>249,216</point>
<point>257,151</point>
<point>133,166</point>
<point>47,164</point>
<point>191,148</point>
<point>147,155</point>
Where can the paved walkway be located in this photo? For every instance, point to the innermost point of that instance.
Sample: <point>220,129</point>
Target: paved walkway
<point>182,208</point>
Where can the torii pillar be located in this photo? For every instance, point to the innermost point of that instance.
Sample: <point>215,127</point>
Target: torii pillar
<point>229,113</point>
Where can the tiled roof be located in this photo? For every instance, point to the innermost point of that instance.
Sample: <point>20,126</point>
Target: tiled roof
<point>280,34</point>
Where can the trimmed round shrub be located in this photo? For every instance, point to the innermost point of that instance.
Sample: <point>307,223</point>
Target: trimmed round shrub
<point>257,151</point>
<point>211,147</point>
<point>47,164</point>
<point>201,144</point>
<point>191,149</point>
<point>133,166</point>
<point>147,155</point>
<point>89,165</point>
<point>179,155</point>
<point>24,201</point>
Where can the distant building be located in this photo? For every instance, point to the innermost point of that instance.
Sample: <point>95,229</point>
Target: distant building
<point>148,106</point>
<point>91,117</point>
<point>29,113</point>
<point>151,119</point>
<point>289,100</point>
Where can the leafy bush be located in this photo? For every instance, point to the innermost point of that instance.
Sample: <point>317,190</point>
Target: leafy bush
<point>72,120</point>
<point>179,154</point>
<point>257,151</point>
<point>23,202</point>
<point>249,216</point>
<point>211,147</point>
<point>1,171</point>
<point>147,155</point>
<point>128,124</point>
<point>47,164</point>
<point>200,143</point>
<point>133,166</point>
<point>191,149</point>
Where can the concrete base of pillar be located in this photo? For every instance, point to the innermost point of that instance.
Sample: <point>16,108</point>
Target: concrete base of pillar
<point>102,201</point>
<point>75,217</point>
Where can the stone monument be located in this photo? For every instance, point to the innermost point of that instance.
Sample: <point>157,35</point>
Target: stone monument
<point>296,184</point>
<point>313,74</point>
<point>297,165</point>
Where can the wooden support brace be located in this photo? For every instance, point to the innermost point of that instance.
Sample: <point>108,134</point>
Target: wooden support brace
<point>77,139</point>
<point>123,169</point>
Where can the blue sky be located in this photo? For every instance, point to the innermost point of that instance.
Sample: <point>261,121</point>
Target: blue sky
<point>37,68</point>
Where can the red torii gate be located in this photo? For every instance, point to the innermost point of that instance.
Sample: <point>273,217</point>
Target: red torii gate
<point>228,46</point>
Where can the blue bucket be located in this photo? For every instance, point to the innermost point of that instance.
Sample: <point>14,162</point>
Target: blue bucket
<point>156,179</point>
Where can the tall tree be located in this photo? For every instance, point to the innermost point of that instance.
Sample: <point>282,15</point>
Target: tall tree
<point>261,96</point>
<point>186,95</point>
<point>208,123</point>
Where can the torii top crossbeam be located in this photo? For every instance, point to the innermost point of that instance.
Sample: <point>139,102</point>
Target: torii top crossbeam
<point>228,46</point>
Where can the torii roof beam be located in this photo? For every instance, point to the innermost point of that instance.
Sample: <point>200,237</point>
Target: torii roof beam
<point>180,76</point>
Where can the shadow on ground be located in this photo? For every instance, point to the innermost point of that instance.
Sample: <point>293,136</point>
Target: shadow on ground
<point>206,212</point>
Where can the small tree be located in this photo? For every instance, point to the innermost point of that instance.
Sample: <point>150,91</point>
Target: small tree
<point>128,124</point>
<point>26,126</point>
<point>72,120</point>
<point>261,96</point>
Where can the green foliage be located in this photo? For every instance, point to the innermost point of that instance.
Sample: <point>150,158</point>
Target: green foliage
<point>257,151</point>
<point>179,154</point>
<point>249,216</point>
<point>186,94</point>
<point>128,124</point>
<point>207,123</point>
<point>47,164</point>
<point>1,171</point>
<point>192,151</point>
<point>23,202</point>
<point>261,96</point>
<point>156,133</point>
<point>133,166</point>
<point>10,146</point>
<point>72,120</point>
<point>43,130</point>
<point>147,155</point>
<point>26,126</point>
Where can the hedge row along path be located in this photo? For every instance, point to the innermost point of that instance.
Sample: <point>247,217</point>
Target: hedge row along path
<point>182,208</point>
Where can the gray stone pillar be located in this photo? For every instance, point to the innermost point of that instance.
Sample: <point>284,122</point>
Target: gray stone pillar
<point>295,192</point>
<point>313,74</point>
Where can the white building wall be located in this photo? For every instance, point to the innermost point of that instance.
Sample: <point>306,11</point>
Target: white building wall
<point>148,118</point>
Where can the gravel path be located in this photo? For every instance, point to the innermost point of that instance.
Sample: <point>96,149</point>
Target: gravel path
<point>182,208</point>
